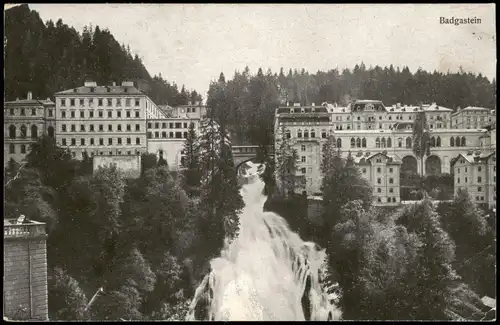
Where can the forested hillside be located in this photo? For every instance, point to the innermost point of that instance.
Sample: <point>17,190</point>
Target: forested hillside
<point>45,58</point>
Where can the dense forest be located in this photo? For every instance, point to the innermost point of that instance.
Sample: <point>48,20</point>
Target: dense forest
<point>45,58</point>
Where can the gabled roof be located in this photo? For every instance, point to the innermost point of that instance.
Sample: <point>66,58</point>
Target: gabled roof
<point>475,157</point>
<point>366,160</point>
<point>102,90</point>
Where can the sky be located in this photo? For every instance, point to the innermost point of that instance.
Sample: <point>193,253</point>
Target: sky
<point>192,43</point>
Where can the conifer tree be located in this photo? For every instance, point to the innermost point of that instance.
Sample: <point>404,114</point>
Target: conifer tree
<point>191,161</point>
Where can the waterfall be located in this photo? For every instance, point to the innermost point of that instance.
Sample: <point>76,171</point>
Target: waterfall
<point>266,273</point>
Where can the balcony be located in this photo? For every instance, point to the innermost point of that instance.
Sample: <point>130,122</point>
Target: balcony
<point>27,229</point>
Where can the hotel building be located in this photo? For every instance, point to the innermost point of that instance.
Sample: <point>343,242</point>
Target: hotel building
<point>24,121</point>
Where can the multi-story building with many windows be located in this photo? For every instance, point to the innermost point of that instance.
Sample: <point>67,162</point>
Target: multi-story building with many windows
<point>166,135</point>
<point>367,127</point>
<point>104,120</point>
<point>24,121</point>
<point>473,118</point>
<point>382,171</point>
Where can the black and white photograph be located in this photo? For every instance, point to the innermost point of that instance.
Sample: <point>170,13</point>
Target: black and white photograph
<point>249,162</point>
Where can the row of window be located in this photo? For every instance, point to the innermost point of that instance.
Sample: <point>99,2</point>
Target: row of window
<point>479,179</point>
<point>171,125</point>
<point>12,148</point>
<point>389,200</point>
<point>92,141</point>
<point>100,113</point>
<point>12,112</point>
<point>379,170</point>
<point>24,131</point>
<point>172,135</point>
<point>101,128</point>
<point>479,168</point>
<point>100,102</point>
<point>391,190</point>
<point>110,153</point>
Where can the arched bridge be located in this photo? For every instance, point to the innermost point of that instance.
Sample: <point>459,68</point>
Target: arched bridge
<point>242,154</point>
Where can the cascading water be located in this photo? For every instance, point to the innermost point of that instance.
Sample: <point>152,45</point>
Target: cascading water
<point>266,273</point>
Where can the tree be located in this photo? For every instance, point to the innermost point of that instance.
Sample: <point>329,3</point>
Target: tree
<point>67,301</point>
<point>191,162</point>
<point>421,138</point>
<point>220,196</point>
<point>286,158</point>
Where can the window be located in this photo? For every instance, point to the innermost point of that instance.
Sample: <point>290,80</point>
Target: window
<point>82,102</point>
<point>164,134</point>
<point>157,125</point>
<point>353,142</point>
<point>185,125</point>
<point>363,143</point>
<point>82,114</point>
<point>302,148</point>
<point>12,132</point>
<point>111,153</point>
<point>313,134</point>
<point>150,125</point>
<point>110,102</point>
<point>82,142</point>
<point>339,143</point>
<point>379,190</point>
<point>33,111</point>
<point>91,113</point>
<point>303,170</point>
<point>171,125</point>
<point>127,102</point>
<point>171,134</point>
<point>23,131</point>
<point>178,135</point>
<point>73,142</point>
<point>306,134</point>
<point>157,134</point>
<point>119,127</point>
<point>99,101</point>
<point>110,141</point>
<point>63,142</point>
<point>73,154</point>
<point>288,135</point>
<point>391,190</point>
<point>91,127</point>
<point>408,142</point>
<point>323,134</point>
<point>164,125</point>
<point>479,179</point>
<point>137,102</point>
<point>479,168</point>
<point>400,142</point>
<point>391,180</point>
<point>479,189</point>
<point>119,141</point>
<point>390,170</point>
<point>100,114</point>
<point>389,143</point>
<point>379,200</point>
<point>23,148</point>
<point>129,141</point>
<point>63,102</point>
<point>137,114</point>
<point>466,179</point>
<point>379,169</point>
<point>118,102</point>
<point>110,127</point>
<point>72,114</point>
<point>128,113</point>
<point>82,128</point>
<point>101,127</point>
<point>185,135</point>
<point>110,114</point>
<point>72,102</point>
<point>465,167</point>
<point>358,143</point>
<point>394,199</point>
<point>91,141</point>
<point>379,181</point>
<point>101,141</point>
<point>63,114</point>
<point>299,133</point>
<point>91,101</point>
<point>303,159</point>
<point>138,141</point>
<point>12,148</point>
<point>73,128</point>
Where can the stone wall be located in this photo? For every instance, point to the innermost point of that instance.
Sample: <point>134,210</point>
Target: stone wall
<point>25,275</point>
<point>130,166</point>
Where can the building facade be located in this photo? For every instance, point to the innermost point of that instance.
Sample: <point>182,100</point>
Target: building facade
<point>382,172</point>
<point>24,121</point>
<point>367,127</point>
<point>473,118</point>
<point>104,120</point>
<point>166,135</point>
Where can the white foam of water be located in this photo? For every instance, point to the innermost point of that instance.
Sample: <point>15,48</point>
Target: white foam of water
<point>262,274</point>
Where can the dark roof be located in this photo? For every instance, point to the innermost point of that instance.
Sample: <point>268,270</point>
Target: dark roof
<point>102,90</point>
<point>302,110</point>
<point>30,102</point>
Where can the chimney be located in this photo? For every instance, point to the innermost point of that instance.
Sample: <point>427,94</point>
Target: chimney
<point>313,104</point>
<point>90,84</point>
<point>17,99</point>
<point>296,104</point>
<point>30,95</point>
<point>114,84</point>
<point>398,105</point>
<point>127,84</point>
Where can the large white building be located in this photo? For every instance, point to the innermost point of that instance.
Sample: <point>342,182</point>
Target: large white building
<point>103,120</point>
<point>367,127</point>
